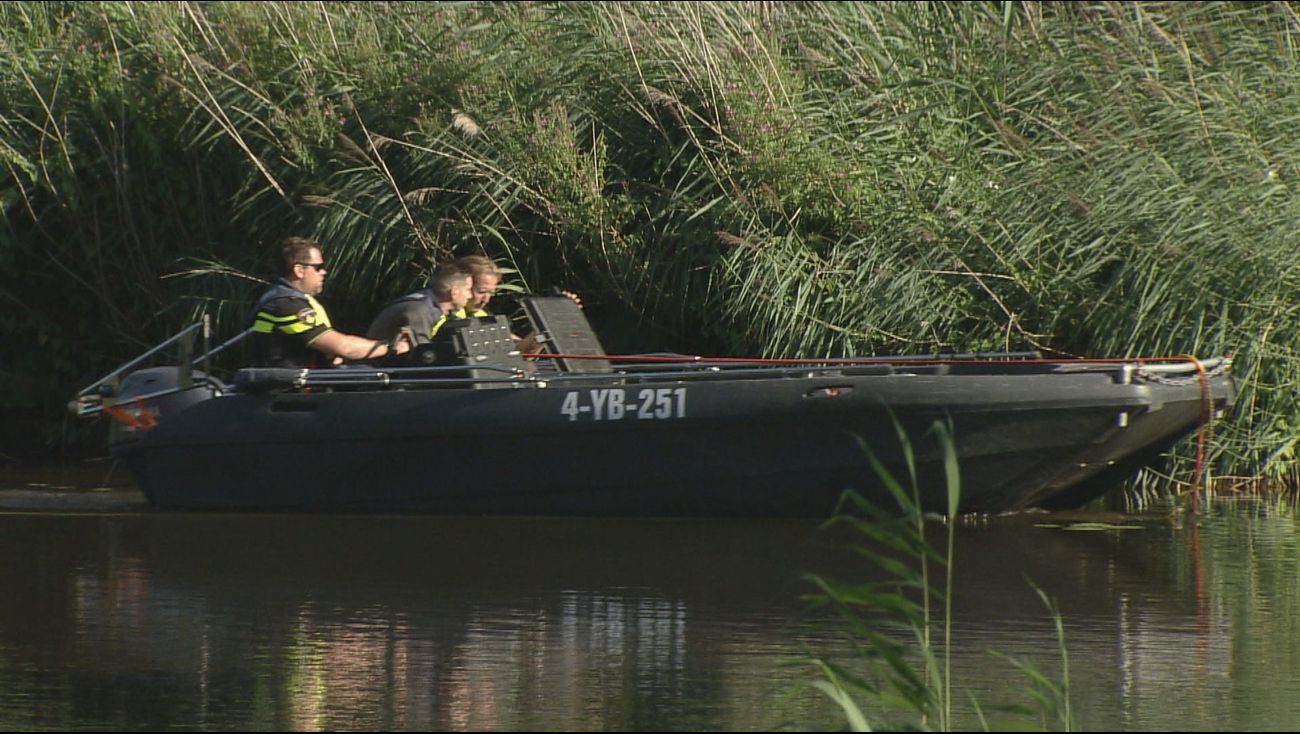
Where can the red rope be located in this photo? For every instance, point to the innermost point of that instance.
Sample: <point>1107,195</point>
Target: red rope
<point>1202,430</point>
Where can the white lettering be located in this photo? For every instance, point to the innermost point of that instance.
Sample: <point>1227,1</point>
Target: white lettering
<point>570,406</point>
<point>664,403</point>
<point>613,404</point>
<point>598,398</point>
<point>645,399</point>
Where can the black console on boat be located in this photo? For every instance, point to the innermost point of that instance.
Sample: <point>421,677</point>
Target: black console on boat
<point>484,345</point>
<point>562,328</point>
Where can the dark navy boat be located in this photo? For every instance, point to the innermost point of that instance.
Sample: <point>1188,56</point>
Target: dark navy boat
<point>579,432</point>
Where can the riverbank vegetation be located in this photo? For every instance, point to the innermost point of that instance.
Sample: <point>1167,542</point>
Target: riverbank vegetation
<point>774,179</point>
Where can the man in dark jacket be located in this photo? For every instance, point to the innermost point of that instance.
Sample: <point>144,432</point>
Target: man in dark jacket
<point>425,311</point>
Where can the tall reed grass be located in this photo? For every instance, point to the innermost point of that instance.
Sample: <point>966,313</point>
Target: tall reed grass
<point>895,672</point>
<point>810,179</point>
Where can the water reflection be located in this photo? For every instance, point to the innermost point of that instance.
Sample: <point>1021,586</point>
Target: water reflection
<point>151,620</point>
<point>395,622</point>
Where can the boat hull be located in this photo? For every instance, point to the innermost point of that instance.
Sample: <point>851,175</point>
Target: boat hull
<point>787,445</point>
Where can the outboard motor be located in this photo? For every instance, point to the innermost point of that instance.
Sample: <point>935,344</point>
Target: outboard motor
<point>148,396</point>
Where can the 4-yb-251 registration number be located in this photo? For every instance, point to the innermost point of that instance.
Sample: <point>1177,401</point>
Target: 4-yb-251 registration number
<point>615,403</point>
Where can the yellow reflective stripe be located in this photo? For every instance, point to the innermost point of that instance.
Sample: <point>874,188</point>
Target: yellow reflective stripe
<point>265,323</point>
<point>322,318</point>
<point>434,331</point>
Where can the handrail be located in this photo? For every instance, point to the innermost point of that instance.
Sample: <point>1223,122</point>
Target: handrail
<point>1186,365</point>
<point>163,345</point>
<point>440,375</point>
<point>645,360</point>
<point>210,353</point>
<point>87,401</point>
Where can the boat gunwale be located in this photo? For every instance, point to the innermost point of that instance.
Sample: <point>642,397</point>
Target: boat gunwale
<point>705,370</point>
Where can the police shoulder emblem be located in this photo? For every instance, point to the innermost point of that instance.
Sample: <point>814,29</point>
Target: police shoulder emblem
<point>307,316</point>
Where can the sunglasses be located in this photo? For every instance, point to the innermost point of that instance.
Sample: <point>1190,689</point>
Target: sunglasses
<point>315,266</point>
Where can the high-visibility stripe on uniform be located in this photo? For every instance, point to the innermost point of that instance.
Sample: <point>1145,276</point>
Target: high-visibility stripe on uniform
<point>265,322</point>
<point>437,325</point>
<point>282,339</point>
<point>457,314</point>
<point>322,318</point>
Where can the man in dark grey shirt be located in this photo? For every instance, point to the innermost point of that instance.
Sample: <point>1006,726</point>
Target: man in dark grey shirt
<point>426,310</point>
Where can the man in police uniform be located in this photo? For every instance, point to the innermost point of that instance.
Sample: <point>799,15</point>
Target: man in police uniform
<point>427,310</point>
<point>291,328</point>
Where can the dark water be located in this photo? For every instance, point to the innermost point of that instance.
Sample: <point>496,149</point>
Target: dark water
<point>116,617</point>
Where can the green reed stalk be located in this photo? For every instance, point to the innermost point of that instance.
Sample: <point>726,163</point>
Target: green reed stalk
<point>879,687</point>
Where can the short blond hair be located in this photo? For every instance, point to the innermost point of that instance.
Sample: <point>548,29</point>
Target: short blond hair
<point>478,266</point>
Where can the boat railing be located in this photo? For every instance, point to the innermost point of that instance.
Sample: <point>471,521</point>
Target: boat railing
<point>669,360</point>
<point>1170,370</point>
<point>269,379</point>
<point>90,400</point>
<point>123,369</point>
<point>258,380</point>
<point>1183,372</point>
<point>630,369</point>
<point>676,367</point>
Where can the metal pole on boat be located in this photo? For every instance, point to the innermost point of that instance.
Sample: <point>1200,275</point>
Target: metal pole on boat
<point>207,351</point>
<point>183,333</point>
<point>219,348</point>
